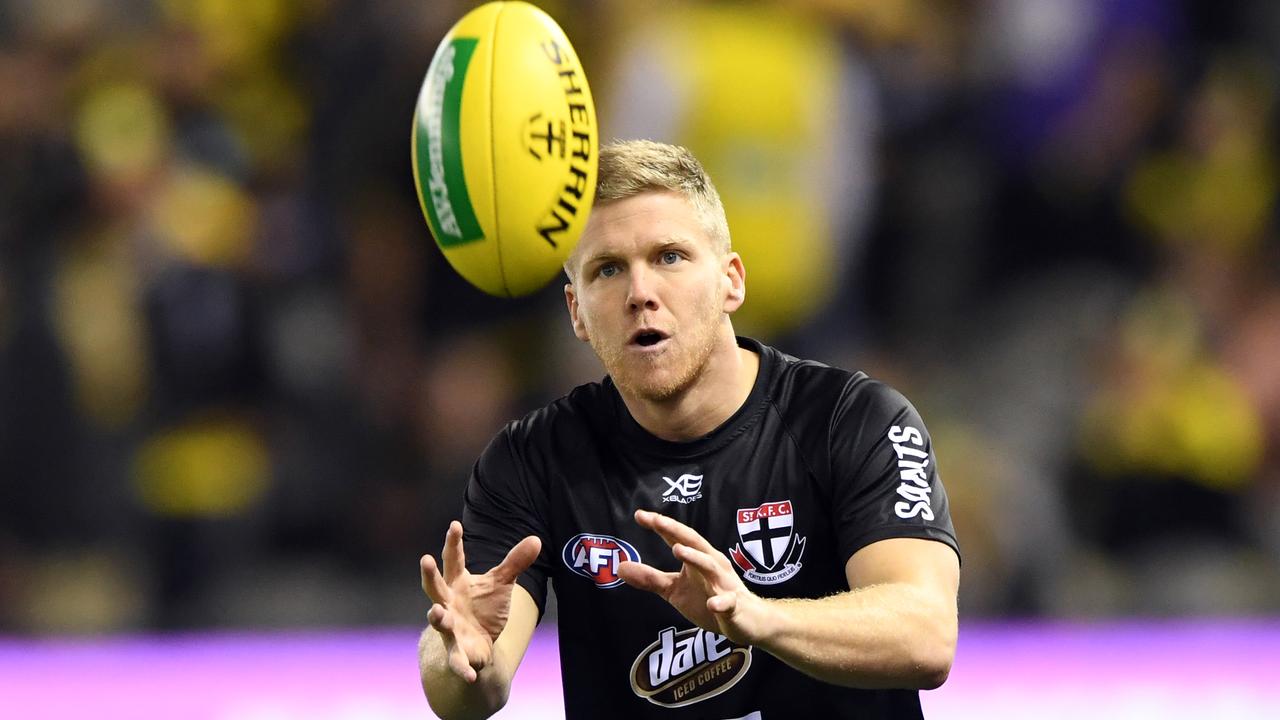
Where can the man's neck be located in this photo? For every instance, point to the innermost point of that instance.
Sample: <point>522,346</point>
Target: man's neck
<point>713,397</point>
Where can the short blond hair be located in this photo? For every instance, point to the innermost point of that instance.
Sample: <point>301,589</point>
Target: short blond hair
<point>630,167</point>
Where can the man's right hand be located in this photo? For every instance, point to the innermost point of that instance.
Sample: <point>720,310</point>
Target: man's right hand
<point>470,611</point>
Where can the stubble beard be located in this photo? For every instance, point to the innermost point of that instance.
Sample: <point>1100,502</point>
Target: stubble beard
<point>645,377</point>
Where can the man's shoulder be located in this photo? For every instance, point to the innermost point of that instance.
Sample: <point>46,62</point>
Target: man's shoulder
<point>575,412</point>
<point>804,388</point>
<point>808,383</point>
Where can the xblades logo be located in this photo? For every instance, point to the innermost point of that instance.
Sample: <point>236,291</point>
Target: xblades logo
<point>684,489</point>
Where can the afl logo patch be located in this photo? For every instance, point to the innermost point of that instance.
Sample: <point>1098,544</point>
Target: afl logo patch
<point>685,667</point>
<point>597,557</point>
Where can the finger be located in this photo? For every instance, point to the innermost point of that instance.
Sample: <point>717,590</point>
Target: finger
<point>643,576</point>
<point>455,560</point>
<point>432,583</point>
<point>723,603</point>
<point>705,564</point>
<point>672,531</point>
<point>458,663</point>
<point>441,620</point>
<point>518,559</point>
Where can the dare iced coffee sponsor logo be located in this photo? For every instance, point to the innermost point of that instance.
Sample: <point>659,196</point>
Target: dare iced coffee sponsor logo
<point>596,557</point>
<point>688,666</point>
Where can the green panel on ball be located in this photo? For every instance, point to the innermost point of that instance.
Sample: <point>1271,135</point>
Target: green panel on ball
<point>438,147</point>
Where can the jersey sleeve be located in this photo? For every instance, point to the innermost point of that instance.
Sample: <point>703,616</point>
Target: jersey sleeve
<point>884,473</point>
<point>502,506</point>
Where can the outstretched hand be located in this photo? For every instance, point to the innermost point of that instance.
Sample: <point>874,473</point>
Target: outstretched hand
<point>707,590</point>
<point>470,611</point>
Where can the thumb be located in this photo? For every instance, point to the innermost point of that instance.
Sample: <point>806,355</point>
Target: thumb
<point>518,559</point>
<point>639,575</point>
<point>724,603</point>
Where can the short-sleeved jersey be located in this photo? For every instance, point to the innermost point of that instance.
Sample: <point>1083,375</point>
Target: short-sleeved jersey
<point>816,464</point>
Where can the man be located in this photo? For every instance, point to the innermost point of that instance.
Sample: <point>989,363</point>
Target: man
<point>732,532</point>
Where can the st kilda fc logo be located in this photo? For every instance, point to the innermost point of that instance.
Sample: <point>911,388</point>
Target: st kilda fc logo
<point>769,551</point>
<point>596,557</point>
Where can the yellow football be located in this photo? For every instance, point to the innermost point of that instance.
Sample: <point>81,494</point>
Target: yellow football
<point>504,148</point>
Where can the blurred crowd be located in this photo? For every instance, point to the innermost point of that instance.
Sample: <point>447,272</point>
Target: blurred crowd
<point>239,386</point>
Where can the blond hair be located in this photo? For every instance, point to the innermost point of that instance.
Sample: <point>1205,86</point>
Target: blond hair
<point>630,167</point>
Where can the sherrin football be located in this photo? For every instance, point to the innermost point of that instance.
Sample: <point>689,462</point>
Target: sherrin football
<point>504,148</point>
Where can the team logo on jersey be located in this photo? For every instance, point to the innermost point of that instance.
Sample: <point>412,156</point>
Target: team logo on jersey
<point>596,557</point>
<point>685,667</point>
<point>684,489</point>
<point>770,551</point>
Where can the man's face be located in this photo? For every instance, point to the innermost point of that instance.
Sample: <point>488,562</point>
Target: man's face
<point>651,292</point>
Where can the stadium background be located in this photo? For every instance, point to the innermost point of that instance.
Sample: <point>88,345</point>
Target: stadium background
<point>240,390</point>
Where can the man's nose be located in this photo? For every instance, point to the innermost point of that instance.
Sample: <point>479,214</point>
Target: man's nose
<point>642,291</point>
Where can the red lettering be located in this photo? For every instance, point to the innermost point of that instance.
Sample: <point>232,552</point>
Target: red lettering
<point>768,510</point>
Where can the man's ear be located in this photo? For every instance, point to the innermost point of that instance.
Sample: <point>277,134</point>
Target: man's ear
<point>571,301</point>
<point>735,275</point>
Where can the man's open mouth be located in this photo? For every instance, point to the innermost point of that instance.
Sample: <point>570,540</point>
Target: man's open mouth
<point>648,338</point>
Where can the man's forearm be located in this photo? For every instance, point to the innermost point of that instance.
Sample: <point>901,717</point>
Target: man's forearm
<point>883,636</point>
<point>450,696</point>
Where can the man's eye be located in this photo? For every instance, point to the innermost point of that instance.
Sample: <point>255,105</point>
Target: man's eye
<point>607,270</point>
<point>670,257</point>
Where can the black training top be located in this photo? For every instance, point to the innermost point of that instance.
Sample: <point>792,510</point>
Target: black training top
<point>816,464</point>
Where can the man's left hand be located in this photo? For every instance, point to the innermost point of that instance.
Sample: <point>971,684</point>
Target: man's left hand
<point>707,590</point>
